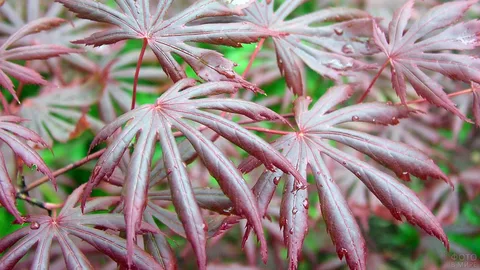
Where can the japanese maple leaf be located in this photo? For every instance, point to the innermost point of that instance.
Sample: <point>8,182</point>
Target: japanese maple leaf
<point>425,45</point>
<point>44,110</point>
<point>15,14</point>
<point>13,134</point>
<point>138,19</point>
<point>30,52</point>
<point>324,40</point>
<point>71,222</point>
<point>173,110</point>
<point>308,147</point>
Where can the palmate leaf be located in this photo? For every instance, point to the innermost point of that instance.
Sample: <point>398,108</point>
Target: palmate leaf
<point>13,134</point>
<point>141,20</point>
<point>15,14</point>
<point>325,40</point>
<point>173,110</point>
<point>56,114</point>
<point>32,52</point>
<point>310,145</point>
<point>71,222</point>
<point>424,46</point>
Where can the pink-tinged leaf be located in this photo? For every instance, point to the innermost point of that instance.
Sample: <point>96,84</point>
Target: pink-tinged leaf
<point>423,46</point>
<point>32,52</point>
<point>7,191</point>
<point>206,198</point>
<point>13,135</point>
<point>174,110</point>
<point>341,224</point>
<point>33,27</point>
<point>309,146</point>
<point>159,248</point>
<point>229,179</point>
<point>70,103</point>
<point>136,188</point>
<point>172,36</point>
<point>36,52</point>
<point>396,197</point>
<point>324,40</point>
<point>182,194</point>
<point>38,237</point>
<point>400,158</point>
<point>476,102</point>
<point>294,209</point>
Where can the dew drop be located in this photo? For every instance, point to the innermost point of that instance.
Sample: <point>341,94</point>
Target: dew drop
<point>357,173</point>
<point>338,31</point>
<point>389,103</point>
<point>347,49</point>
<point>305,204</point>
<point>294,210</point>
<point>374,120</point>
<point>344,163</point>
<point>34,225</point>
<point>395,120</point>
<point>405,176</point>
<point>276,180</point>
<point>355,118</point>
<point>291,231</point>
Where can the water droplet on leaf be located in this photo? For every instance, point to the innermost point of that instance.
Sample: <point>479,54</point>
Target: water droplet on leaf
<point>34,225</point>
<point>347,49</point>
<point>338,31</point>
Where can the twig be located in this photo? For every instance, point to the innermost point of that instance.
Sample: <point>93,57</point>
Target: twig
<point>459,93</point>
<point>63,170</point>
<point>253,56</point>
<point>365,94</point>
<point>271,131</point>
<point>137,72</point>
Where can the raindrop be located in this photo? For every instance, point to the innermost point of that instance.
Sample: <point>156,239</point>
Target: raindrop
<point>338,31</point>
<point>344,163</point>
<point>347,49</point>
<point>395,120</point>
<point>294,210</point>
<point>355,118</point>
<point>291,231</point>
<point>276,180</point>
<point>374,120</point>
<point>305,204</point>
<point>34,225</point>
<point>405,176</point>
<point>389,103</point>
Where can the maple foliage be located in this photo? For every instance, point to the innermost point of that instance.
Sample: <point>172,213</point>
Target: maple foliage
<point>29,52</point>
<point>140,20</point>
<point>307,148</point>
<point>327,49</point>
<point>12,134</point>
<point>142,104</point>
<point>72,222</point>
<point>153,122</point>
<point>420,47</point>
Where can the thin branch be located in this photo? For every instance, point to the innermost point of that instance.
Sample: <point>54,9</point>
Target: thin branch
<point>365,94</point>
<point>253,56</point>
<point>36,202</point>
<point>137,72</point>
<point>63,170</point>
<point>266,130</point>
<point>459,93</point>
